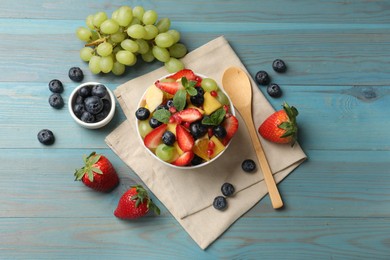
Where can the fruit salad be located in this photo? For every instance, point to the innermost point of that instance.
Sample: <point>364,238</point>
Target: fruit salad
<point>185,119</point>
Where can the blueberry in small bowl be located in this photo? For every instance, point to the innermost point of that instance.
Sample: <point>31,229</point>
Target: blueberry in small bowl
<point>92,105</point>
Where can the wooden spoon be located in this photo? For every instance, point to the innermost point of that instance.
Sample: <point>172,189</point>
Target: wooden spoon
<point>238,86</point>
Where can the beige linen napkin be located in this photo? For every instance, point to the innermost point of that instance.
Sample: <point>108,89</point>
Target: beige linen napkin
<point>188,194</point>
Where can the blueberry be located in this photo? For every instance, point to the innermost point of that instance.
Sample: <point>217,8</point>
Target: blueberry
<point>78,109</point>
<point>93,104</point>
<point>142,113</point>
<point>279,66</point>
<point>56,86</point>
<point>153,122</point>
<point>227,189</point>
<point>85,91</point>
<point>56,101</point>
<point>99,90</point>
<point>46,137</point>
<point>162,106</point>
<point>196,160</point>
<point>76,74</point>
<point>274,90</point>
<point>262,78</point>
<point>168,138</point>
<point>248,165</point>
<point>105,111</point>
<point>170,103</point>
<point>219,131</point>
<point>79,100</point>
<point>87,117</point>
<point>198,129</point>
<point>198,99</point>
<point>220,203</point>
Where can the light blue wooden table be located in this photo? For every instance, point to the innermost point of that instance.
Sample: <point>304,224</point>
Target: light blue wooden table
<point>337,203</point>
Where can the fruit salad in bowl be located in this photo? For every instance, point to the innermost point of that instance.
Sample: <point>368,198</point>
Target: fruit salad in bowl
<point>185,120</point>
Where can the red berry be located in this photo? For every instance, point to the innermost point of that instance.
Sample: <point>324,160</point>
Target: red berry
<point>186,125</point>
<point>210,153</point>
<point>172,120</point>
<point>172,110</point>
<point>226,108</point>
<point>211,145</point>
<point>213,93</point>
<point>210,132</point>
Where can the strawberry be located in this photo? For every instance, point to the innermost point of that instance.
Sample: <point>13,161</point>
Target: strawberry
<point>281,126</point>
<point>169,87</point>
<point>189,115</point>
<point>184,159</point>
<point>189,74</point>
<point>98,173</point>
<point>153,139</point>
<point>184,138</point>
<point>135,203</point>
<point>231,126</point>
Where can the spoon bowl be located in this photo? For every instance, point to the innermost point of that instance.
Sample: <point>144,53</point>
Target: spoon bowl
<point>238,86</point>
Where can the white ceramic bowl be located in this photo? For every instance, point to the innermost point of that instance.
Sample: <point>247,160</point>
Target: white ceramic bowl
<point>141,103</point>
<point>96,125</point>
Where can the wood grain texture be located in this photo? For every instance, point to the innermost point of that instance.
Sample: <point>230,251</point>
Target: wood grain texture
<point>337,204</point>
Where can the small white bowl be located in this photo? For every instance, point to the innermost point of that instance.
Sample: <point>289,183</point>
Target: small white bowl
<point>142,103</point>
<point>96,125</point>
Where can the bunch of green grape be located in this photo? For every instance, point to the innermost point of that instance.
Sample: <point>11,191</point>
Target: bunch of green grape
<point>130,34</point>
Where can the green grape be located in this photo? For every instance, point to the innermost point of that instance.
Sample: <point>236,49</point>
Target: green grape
<point>125,16</point>
<point>144,128</point>
<point>95,36</point>
<point>116,49</point>
<point>83,34</point>
<point>163,25</point>
<point>118,69</point>
<point>151,32</point>
<point>99,18</point>
<point>175,34</point>
<point>114,15</point>
<point>143,46</point>
<point>148,56</point>
<point>94,64</point>
<point>149,17</point>
<point>126,57</point>
<point>130,45</point>
<point>165,152</point>
<point>138,12</point>
<point>106,63</point>
<point>89,22</point>
<point>86,53</point>
<point>178,50</point>
<point>136,31</point>
<point>161,54</point>
<point>222,98</point>
<point>134,21</point>
<point>173,65</point>
<point>118,37</point>
<point>109,26</point>
<point>164,40</point>
<point>209,85</point>
<point>104,49</point>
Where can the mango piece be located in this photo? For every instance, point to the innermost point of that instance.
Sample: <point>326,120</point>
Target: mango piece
<point>172,127</point>
<point>219,147</point>
<point>210,103</point>
<point>201,147</point>
<point>179,151</point>
<point>153,97</point>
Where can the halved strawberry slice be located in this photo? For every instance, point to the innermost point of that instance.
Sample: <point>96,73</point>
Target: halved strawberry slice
<point>189,74</point>
<point>169,87</point>
<point>184,138</point>
<point>153,139</point>
<point>231,126</point>
<point>189,115</point>
<point>184,159</point>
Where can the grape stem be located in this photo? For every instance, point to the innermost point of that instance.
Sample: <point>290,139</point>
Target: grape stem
<point>96,42</point>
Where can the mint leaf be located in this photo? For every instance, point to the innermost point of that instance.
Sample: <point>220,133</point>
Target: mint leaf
<point>191,91</point>
<point>189,86</point>
<point>215,118</point>
<point>162,115</point>
<point>179,99</point>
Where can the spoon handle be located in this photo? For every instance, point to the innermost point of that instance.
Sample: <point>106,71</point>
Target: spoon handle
<point>273,191</point>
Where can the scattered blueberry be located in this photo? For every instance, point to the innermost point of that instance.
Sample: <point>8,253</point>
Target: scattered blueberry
<point>274,90</point>
<point>279,66</point>
<point>262,78</point>
<point>142,113</point>
<point>197,129</point>
<point>56,86</point>
<point>87,117</point>
<point>196,160</point>
<point>85,91</point>
<point>105,111</point>
<point>93,104</point>
<point>227,189</point>
<point>220,203</point>
<point>168,138</point>
<point>56,101</point>
<point>248,165</point>
<point>76,74</point>
<point>153,122</point>
<point>99,90</point>
<point>219,131</point>
<point>46,137</point>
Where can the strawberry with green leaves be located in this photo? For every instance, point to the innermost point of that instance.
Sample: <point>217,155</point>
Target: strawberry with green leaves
<point>135,203</point>
<point>281,127</point>
<point>97,173</point>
